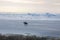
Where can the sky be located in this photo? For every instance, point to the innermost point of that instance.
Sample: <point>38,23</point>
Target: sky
<point>30,6</point>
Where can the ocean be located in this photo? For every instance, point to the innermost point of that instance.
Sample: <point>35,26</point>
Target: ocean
<point>34,27</point>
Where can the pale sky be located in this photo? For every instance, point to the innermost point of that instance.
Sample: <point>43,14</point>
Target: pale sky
<point>30,6</point>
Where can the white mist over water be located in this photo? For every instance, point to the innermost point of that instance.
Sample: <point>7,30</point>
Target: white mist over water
<point>30,16</point>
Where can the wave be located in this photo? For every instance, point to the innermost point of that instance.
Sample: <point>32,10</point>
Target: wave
<point>30,16</point>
